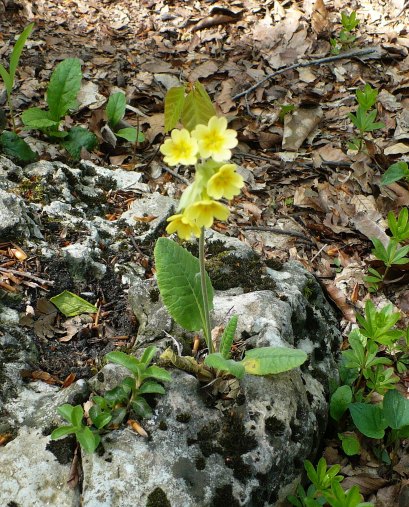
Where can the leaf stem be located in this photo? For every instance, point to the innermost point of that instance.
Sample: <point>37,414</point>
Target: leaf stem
<point>207,326</point>
<point>11,110</point>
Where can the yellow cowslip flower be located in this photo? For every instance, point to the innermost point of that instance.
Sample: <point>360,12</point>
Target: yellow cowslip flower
<point>215,139</point>
<point>202,213</point>
<point>184,228</point>
<point>181,148</point>
<point>225,183</point>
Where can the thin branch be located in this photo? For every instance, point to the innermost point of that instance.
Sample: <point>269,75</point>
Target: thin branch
<point>24,274</point>
<point>275,230</point>
<point>349,54</point>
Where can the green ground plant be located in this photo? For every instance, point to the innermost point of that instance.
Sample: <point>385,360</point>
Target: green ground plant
<point>325,489</point>
<point>346,37</point>
<point>393,254</point>
<point>364,120</point>
<point>62,91</point>
<point>377,350</point>
<point>110,410</point>
<point>115,111</point>
<point>185,287</point>
<point>395,172</point>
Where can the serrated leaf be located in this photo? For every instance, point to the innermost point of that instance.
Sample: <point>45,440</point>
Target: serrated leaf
<point>340,400</point>
<point>174,102</point>
<point>218,362</point>
<point>369,419</point>
<point>272,360</point>
<point>77,139</point>
<point>15,147</point>
<point>116,108</point>
<point>65,83</point>
<point>130,134</point>
<point>36,118</point>
<point>178,275</point>
<point>396,409</point>
<point>70,304</point>
<point>197,108</point>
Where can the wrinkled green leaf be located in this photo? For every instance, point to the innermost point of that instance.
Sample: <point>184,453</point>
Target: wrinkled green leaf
<point>116,108</point>
<point>15,147</point>
<point>272,360</point>
<point>227,338</point>
<point>70,304</point>
<point>36,118</point>
<point>65,83</point>
<point>151,387</point>
<point>178,274</point>
<point>141,407</point>
<point>218,362</point>
<point>198,108</point>
<point>157,373</point>
<point>77,139</point>
<point>174,102</point>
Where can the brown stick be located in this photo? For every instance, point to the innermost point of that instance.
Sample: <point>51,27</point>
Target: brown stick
<point>349,54</point>
<point>27,275</point>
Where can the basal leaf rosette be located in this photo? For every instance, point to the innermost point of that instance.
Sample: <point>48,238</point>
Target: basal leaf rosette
<point>181,148</point>
<point>215,140</point>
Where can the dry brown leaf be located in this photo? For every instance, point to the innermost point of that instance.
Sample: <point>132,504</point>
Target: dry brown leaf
<point>368,484</point>
<point>45,377</point>
<point>224,100</point>
<point>137,427</point>
<point>299,125</point>
<point>68,380</point>
<point>328,153</point>
<point>367,224</point>
<point>203,70</point>
<point>340,300</point>
<point>320,22</point>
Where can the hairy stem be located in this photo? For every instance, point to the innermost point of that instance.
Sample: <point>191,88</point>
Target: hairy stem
<point>207,326</point>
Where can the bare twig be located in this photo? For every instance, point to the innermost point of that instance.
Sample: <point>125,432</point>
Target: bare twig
<point>24,274</point>
<point>275,230</point>
<point>349,54</point>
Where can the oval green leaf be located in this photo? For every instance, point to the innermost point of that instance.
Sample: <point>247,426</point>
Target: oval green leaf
<point>65,83</point>
<point>272,360</point>
<point>116,108</point>
<point>70,304</point>
<point>218,362</point>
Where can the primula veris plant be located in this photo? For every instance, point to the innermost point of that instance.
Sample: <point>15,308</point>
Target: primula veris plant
<point>115,111</point>
<point>205,142</point>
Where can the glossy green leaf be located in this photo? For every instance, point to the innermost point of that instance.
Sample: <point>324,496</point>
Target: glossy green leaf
<point>88,440</point>
<point>62,431</point>
<point>129,362</point>
<point>174,102</point>
<point>198,108</point>
<point>77,139</point>
<point>15,147</point>
<point>369,419</point>
<point>396,409</point>
<point>220,363</point>
<point>101,420</point>
<point>131,134</point>
<point>65,83</point>
<point>116,108</point>
<point>340,400</point>
<point>178,275</point>
<point>65,411</point>
<point>141,407</point>
<point>272,360</point>
<point>70,304</point>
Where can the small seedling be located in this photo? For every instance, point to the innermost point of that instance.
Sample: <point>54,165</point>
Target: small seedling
<point>115,111</point>
<point>364,118</point>
<point>62,92</point>
<point>88,439</point>
<point>399,227</point>
<point>325,489</point>
<point>346,38</point>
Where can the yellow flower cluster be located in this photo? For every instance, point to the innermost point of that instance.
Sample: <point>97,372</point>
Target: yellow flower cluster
<point>214,178</point>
